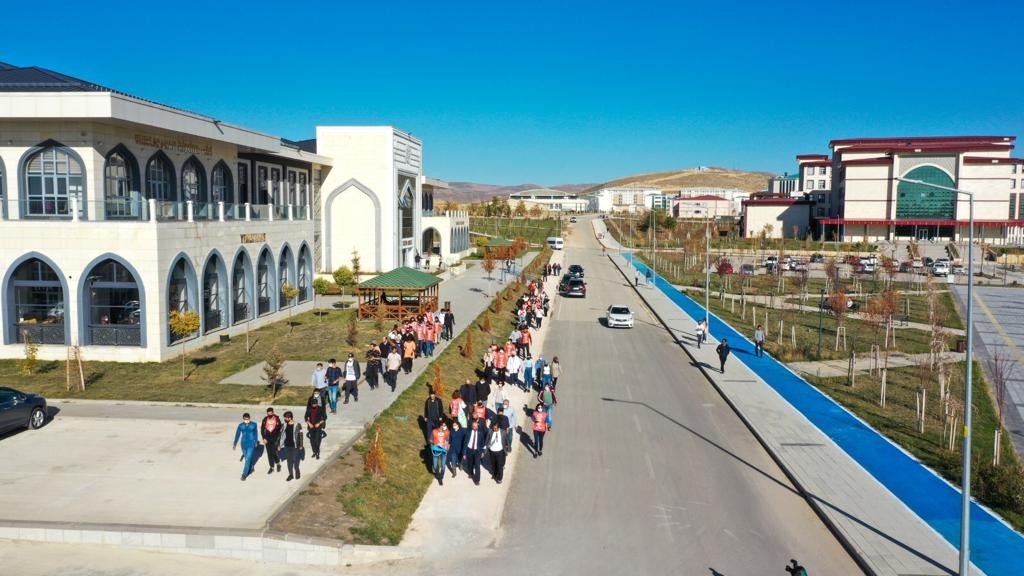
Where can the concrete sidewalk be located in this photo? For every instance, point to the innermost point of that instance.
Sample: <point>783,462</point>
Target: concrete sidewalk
<point>444,522</point>
<point>879,530</point>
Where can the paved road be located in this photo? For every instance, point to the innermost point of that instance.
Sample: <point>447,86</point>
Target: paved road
<point>647,470</point>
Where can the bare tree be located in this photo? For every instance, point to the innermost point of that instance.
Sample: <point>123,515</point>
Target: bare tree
<point>999,368</point>
<point>838,302</point>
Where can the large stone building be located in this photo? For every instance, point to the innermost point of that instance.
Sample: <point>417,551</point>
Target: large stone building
<point>549,200</point>
<point>118,210</point>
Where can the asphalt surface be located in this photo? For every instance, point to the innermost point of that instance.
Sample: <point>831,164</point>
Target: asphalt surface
<point>646,469</point>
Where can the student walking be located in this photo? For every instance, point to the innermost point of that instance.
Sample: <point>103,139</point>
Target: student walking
<point>528,371</point>
<point>723,353</point>
<point>759,341</point>
<point>549,400</point>
<point>510,415</point>
<point>319,382</point>
<point>515,369</point>
<point>292,434</point>
<point>351,378</point>
<point>433,414</point>
<point>408,353</point>
<point>270,430</point>
<point>700,330</point>
<point>394,364</point>
<point>540,426</point>
<point>457,445</point>
<point>556,371</point>
<point>333,381</point>
<point>316,421</point>
<point>439,447</point>
<point>373,366</point>
<point>496,451</point>
<point>246,433</point>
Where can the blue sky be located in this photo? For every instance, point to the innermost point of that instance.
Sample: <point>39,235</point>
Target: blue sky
<point>558,92</point>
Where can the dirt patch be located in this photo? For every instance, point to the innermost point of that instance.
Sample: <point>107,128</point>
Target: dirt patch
<point>318,510</point>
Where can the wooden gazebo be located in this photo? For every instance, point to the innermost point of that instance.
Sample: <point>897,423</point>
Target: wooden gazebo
<point>501,248</point>
<point>397,295</point>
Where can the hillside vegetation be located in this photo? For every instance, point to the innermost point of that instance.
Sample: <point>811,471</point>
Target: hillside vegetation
<point>674,180</point>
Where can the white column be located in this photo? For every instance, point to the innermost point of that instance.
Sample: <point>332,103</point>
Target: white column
<point>291,212</point>
<point>220,211</point>
<point>74,208</point>
<point>189,210</point>
<point>152,209</point>
<point>248,216</point>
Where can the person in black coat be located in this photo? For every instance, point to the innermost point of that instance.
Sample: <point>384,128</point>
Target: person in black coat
<point>483,390</point>
<point>350,372</point>
<point>474,447</point>
<point>433,411</point>
<point>723,353</point>
<point>468,392</point>
<point>316,421</point>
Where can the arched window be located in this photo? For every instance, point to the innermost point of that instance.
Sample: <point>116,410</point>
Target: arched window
<point>193,181</point>
<point>113,309</point>
<point>264,283</point>
<point>121,185</point>
<point>53,175</point>
<point>405,207</point>
<point>222,189</point>
<point>181,292</point>
<point>241,288</point>
<point>918,202</point>
<point>305,273</point>
<point>214,295</point>
<point>286,275</point>
<point>38,299</point>
<point>160,178</point>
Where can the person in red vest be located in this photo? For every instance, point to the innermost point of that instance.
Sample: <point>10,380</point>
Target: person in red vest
<point>500,362</point>
<point>438,329</point>
<point>540,426</point>
<point>439,446</point>
<point>526,339</point>
<point>428,338</point>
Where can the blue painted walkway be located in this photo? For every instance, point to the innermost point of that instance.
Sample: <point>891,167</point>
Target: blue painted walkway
<point>995,547</point>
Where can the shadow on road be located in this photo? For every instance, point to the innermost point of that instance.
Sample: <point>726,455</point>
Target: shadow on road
<point>808,495</point>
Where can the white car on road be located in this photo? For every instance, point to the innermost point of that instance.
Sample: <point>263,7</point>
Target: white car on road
<point>619,315</point>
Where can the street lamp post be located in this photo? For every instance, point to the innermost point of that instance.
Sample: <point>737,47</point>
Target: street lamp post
<point>654,248</point>
<point>707,271</point>
<point>821,311</point>
<point>965,500</point>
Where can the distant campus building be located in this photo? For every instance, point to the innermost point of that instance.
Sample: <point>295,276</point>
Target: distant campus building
<point>117,210</point>
<point>857,193</point>
<point>548,199</point>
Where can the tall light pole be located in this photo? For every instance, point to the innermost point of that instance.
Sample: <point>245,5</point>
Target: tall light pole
<point>965,500</point>
<point>707,269</point>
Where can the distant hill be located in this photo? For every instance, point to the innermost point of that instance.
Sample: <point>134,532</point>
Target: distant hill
<point>469,192</point>
<point>674,180</point>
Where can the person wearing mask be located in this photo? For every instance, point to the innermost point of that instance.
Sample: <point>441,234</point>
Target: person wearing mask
<point>333,382</point>
<point>483,390</point>
<point>515,369</point>
<point>468,393</point>
<point>476,442</point>
<point>394,364</point>
<point>292,436</point>
<point>319,382</point>
<point>246,433</point>
<point>480,412</point>
<point>546,375</point>
<point>538,315</point>
<point>496,451</point>
<point>759,341</point>
<point>351,371</point>
<point>700,331</point>
<point>439,447</point>
<point>408,353</point>
<point>457,409</point>
<point>316,421</point>
<point>529,369</point>
<point>499,394</point>
<point>270,430</point>
<point>538,371</point>
<point>548,398</point>
<point>540,426</point>
<point>510,415</point>
<point>457,443</point>
<point>449,324</point>
<point>500,364</point>
<point>723,353</point>
<point>373,366</point>
<point>527,339</point>
<point>556,371</point>
<point>433,413</point>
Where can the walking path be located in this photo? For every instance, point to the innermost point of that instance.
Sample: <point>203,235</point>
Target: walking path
<point>459,515</point>
<point>164,476</point>
<point>866,363</point>
<point>894,514</point>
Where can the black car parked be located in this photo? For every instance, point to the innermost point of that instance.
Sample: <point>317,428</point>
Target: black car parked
<point>21,410</point>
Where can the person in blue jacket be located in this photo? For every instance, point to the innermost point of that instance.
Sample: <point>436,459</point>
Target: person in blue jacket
<point>248,435</point>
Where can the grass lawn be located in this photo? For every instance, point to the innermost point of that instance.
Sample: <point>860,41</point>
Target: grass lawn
<point>534,230</point>
<point>312,338</point>
<point>380,510</point>
<point>897,421</point>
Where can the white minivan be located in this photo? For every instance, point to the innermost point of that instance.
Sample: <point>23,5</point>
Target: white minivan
<point>556,243</point>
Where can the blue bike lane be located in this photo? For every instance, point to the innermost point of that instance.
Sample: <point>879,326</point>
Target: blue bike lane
<point>996,548</point>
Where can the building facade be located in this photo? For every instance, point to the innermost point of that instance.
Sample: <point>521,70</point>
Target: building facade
<point>118,211</point>
<point>623,199</point>
<point>701,207</point>
<point>548,199</point>
<point>876,197</point>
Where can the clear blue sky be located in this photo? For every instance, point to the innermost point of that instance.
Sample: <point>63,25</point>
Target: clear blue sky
<point>557,92</point>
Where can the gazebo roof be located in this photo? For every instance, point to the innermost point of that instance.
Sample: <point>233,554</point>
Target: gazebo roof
<point>499,243</point>
<point>402,278</point>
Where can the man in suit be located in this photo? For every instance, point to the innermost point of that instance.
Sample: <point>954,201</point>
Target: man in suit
<point>468,392</point>
<point>476,443</point>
